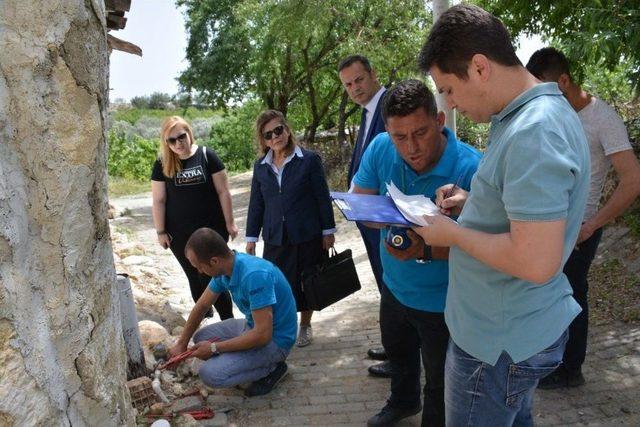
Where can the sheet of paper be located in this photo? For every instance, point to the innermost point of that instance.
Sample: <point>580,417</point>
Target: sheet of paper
<point>412,207</point>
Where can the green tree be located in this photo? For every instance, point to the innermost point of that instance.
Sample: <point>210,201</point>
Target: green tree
<point>605,33</point>
<point>285,52</point>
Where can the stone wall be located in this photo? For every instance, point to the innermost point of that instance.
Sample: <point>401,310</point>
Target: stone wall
<point>61,351</point>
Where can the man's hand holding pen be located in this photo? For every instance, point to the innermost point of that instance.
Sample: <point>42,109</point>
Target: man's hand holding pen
<point>442,230</point>
<point>450,198</point>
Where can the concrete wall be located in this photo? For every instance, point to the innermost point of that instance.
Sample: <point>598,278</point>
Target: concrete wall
<point>61,351</point>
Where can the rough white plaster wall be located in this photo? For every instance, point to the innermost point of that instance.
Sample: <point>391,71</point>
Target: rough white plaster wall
<point>61,351</point>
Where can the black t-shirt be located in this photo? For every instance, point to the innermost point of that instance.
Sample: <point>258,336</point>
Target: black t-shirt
<point>192,200</point>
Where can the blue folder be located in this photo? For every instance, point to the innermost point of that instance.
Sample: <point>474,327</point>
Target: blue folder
<point>371,208</point>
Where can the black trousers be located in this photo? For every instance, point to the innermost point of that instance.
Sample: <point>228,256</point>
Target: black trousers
<point>577,269</point>
<point>199,282</point>
<point>371,239</point>
<point>408,334</point>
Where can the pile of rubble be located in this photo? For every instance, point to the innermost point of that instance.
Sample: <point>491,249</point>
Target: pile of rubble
<point>164,397</point>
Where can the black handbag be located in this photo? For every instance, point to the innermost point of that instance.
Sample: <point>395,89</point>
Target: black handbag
<point>330,281</point>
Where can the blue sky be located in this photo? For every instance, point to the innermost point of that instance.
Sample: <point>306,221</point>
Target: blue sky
<point>157,26</point>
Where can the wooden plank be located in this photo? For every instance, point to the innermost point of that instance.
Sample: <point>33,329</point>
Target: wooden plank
<point>122,45</point>
<point>115,22</point>
<point>118,5</point>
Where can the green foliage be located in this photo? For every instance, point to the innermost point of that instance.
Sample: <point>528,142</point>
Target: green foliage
<point>131,158</point>
<point>133,115</point>
<point>232,137</point>
<point>285,52</point>
<point>474,134</point>
<point>591,32</point>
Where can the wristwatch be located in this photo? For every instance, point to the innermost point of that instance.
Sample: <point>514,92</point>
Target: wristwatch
<point>426,255</point>
<point>214,349</point>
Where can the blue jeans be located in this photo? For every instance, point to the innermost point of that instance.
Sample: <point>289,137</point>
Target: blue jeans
<point>237,367</point>
<point>478,394</point>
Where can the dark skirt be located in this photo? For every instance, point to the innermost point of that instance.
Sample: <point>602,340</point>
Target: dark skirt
<point>292,260</point>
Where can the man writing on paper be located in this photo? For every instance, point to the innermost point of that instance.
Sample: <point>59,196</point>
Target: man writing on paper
<point>418,154</point>
<point>509,304</point>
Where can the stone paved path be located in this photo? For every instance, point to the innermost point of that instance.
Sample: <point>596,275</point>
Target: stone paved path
<point>328,383</point>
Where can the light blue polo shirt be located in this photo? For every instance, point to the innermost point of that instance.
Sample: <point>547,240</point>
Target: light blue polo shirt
<point>255,283</point>
<point>535,168</point>
<point>419,286</point>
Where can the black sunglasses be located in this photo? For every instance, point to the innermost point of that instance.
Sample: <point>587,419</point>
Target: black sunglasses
<point>182,137</point>
<point>277,131</point>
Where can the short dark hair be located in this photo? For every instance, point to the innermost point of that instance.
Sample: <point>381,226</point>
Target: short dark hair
<point>406,97</point>
<point>206,243</point>
<point>549,62</point>
<point>352,59</point>
<point>462,31</point>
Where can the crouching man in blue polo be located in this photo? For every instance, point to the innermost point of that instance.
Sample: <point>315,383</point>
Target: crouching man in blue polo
<point>418,154</point>
<point>239,351</point>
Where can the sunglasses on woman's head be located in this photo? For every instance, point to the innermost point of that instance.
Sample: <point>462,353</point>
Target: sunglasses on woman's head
<point>277,131</point>
<point>182,138</point>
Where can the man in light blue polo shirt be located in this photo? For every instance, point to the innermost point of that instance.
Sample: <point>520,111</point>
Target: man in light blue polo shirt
<point>509,303</point>
<point>419,155</point>
<point>238,351</point>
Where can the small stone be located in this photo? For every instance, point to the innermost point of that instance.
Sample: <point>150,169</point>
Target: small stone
<point>219,420</point>
<point>190,403</point>
<point>152,333</point>
<point>137,259</point>
<point>185,420</point>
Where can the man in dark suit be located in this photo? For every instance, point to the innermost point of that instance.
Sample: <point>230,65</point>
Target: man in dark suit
<point>361,83</point>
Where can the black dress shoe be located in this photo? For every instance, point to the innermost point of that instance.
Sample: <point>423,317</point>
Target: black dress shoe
<point>561,378</point>
<point>389,415</point>
<point>382,370</point>
<point>377,353</point>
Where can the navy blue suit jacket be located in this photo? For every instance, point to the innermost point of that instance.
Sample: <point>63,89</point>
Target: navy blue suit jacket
<point>376,127</point>
<point>301,205</point>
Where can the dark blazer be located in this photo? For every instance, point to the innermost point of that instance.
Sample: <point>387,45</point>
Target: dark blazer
<point>377,126</point>
<point>302,205</point>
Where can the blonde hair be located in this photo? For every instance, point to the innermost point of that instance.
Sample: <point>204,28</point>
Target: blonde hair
<point>264,118</point>
<point>170,160</point>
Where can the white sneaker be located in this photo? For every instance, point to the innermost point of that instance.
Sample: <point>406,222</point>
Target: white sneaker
<point>305,336</point>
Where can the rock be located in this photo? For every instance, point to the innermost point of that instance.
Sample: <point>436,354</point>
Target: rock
<point>185,420</point>
<point>112,212</point>
<point>177,331</point>
<point>218,400</point>
<point>219,420</point>
<point>136,260</point>
<point>190,403</point>
<point>152,333</point>
<point>183,371</point>
<point>158,408</point>
<point>172,318</point>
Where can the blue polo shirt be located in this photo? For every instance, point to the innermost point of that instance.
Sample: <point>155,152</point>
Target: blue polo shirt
<point>255,283</point>
<point>535,168</point>
<point>419,286</point>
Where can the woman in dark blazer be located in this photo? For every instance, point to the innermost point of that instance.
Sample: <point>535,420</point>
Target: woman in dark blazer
<point>290,203</point>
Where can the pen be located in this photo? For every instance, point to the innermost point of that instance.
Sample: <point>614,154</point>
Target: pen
<point>455,186</point>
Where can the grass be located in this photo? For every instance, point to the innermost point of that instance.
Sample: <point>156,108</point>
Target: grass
<point>614,293</point>
<point>119,187</point>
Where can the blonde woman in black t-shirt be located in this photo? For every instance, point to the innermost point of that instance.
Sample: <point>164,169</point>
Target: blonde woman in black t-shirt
<point>190,190</point>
